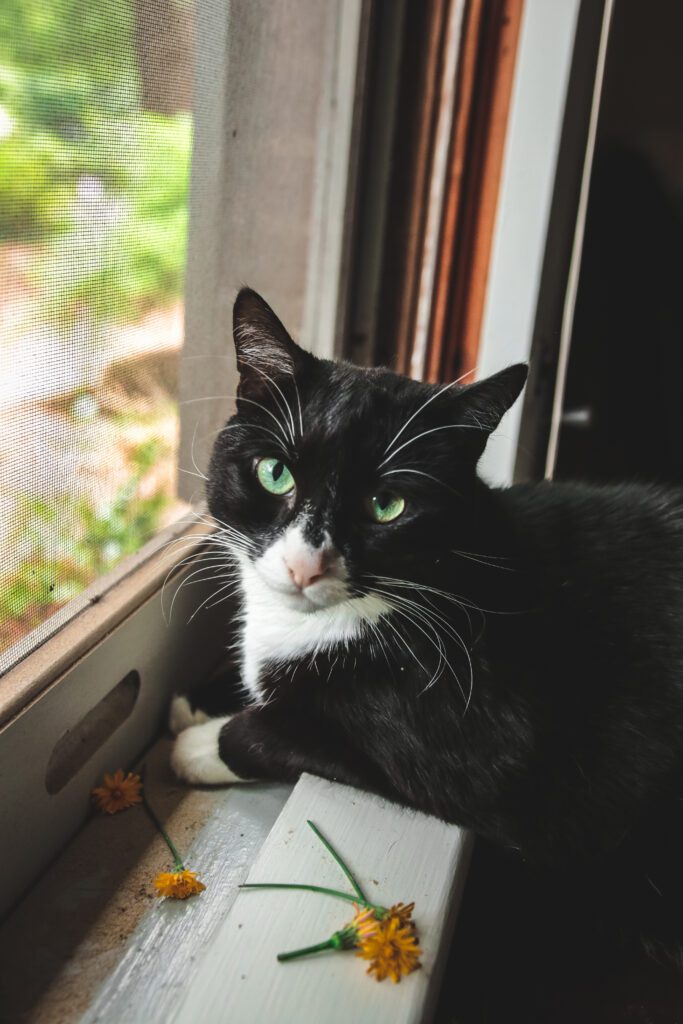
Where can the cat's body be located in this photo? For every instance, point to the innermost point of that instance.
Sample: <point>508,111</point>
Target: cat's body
<point>511,660</point>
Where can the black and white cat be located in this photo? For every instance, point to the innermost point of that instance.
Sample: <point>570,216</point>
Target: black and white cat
<point>510,660</point>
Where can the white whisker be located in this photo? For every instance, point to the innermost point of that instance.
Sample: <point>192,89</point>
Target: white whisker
<point>419,472</point>
<point>205,560</point>
<point>240,398</point>
<point>409,649</point>
<point>250,401</point>
<point>374,628</point>
<point>436,644</point>
<point>482,560</point>
<point>446,595</point>
<point>287,409</point>
<point>428,618</point>
<point>189,472</point>
<point>205,398</point>
<point>210,598</point>
<point>432,430</point>
<point>424,405</point>
<point>298,402</point>
<point>194,461</point>
<point>186,581</point>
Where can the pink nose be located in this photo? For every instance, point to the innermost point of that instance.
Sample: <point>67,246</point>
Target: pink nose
<point>305,568</point>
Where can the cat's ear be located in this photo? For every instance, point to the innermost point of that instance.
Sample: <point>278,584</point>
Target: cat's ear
<point>484,403</point>
<point>263,346</point>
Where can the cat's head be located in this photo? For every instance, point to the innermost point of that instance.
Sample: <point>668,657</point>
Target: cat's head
<point>330,478</point>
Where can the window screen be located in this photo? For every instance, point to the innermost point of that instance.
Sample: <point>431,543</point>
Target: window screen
<point>95,139</point>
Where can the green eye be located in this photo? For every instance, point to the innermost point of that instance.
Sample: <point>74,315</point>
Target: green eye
<point>385,507</point>
<point>274,476</point>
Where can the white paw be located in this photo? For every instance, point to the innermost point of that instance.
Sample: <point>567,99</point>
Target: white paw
<point>181,716</point>
<point>195,755</point>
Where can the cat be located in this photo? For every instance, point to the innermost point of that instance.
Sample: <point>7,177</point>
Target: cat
<point>510,660</point>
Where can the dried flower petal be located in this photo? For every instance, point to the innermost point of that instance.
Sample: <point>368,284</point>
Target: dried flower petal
<point>118,792</point>
<point>404,913</point>
<point>178,885</point>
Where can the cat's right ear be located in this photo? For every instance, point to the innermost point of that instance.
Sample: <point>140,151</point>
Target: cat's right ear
<point>264,348</point>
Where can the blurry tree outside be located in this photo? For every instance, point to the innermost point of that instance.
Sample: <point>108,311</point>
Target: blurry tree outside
<point>95,143</point>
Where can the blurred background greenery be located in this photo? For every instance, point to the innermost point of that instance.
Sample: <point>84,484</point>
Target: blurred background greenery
<point>76,137</point>
<point>57,564</point>
<point>95,148</point>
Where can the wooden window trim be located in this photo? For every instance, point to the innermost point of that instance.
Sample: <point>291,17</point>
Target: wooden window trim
<point>478,141</point>
<point>455,83</point>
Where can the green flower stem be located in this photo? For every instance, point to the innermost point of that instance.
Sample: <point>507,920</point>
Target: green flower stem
<point>328,944</point>
<point>316,888</point>
<point>344,939</point>
<point>179,866</point>
<point>347,871</point>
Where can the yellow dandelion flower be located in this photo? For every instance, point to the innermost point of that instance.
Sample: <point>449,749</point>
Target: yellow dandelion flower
<point>178,885</point>
<point>118,792</point>
<point>392,950</point>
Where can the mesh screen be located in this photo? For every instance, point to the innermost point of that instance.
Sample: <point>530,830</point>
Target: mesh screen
<point>95,139</point>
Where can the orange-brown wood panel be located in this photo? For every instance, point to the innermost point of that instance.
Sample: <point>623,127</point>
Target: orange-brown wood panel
<point>426,101</point>
<point>453,210</point>
<point>476,158</point>
<point>463,231</point>
<point>484,86</point>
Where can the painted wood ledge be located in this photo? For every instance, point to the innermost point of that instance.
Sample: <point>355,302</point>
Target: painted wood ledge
<point>397,855</point>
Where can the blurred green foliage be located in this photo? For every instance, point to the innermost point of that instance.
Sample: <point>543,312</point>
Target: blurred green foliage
<point>67,544</point>
<point>99,184</point>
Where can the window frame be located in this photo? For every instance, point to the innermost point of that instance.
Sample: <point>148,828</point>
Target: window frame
<point>123,626</point>
<point>534,182</point>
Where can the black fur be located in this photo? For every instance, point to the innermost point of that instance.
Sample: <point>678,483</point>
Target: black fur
<point>565,745</point>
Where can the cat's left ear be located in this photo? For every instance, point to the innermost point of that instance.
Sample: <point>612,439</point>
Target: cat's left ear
<point>484,403</point>
<point>263,346</point>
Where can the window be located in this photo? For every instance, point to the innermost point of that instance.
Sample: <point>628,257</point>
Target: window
<point>95,145</point>
<point>297,120</point>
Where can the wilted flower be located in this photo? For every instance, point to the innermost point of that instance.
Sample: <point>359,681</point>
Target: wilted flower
<point>118,792</point>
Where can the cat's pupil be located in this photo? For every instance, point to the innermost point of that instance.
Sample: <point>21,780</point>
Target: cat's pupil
<point>277,470</point>
<point>384,501</point>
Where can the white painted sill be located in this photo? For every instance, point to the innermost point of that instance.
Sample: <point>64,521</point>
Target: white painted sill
<point>214,959</point>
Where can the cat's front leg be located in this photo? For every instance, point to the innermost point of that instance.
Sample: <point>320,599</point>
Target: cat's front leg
<point>196,753</point>
<point>270,742</point>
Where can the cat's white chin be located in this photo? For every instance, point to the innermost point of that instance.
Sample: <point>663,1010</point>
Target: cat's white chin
<point>315,598</point>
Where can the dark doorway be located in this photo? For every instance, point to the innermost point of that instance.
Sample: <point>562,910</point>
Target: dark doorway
<point>623,405</point>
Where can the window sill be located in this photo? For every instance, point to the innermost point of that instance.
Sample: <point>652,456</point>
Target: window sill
<point>91,942</point>
<point>104,606</point>
<point>73,678</point>
<point>93,916</point>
